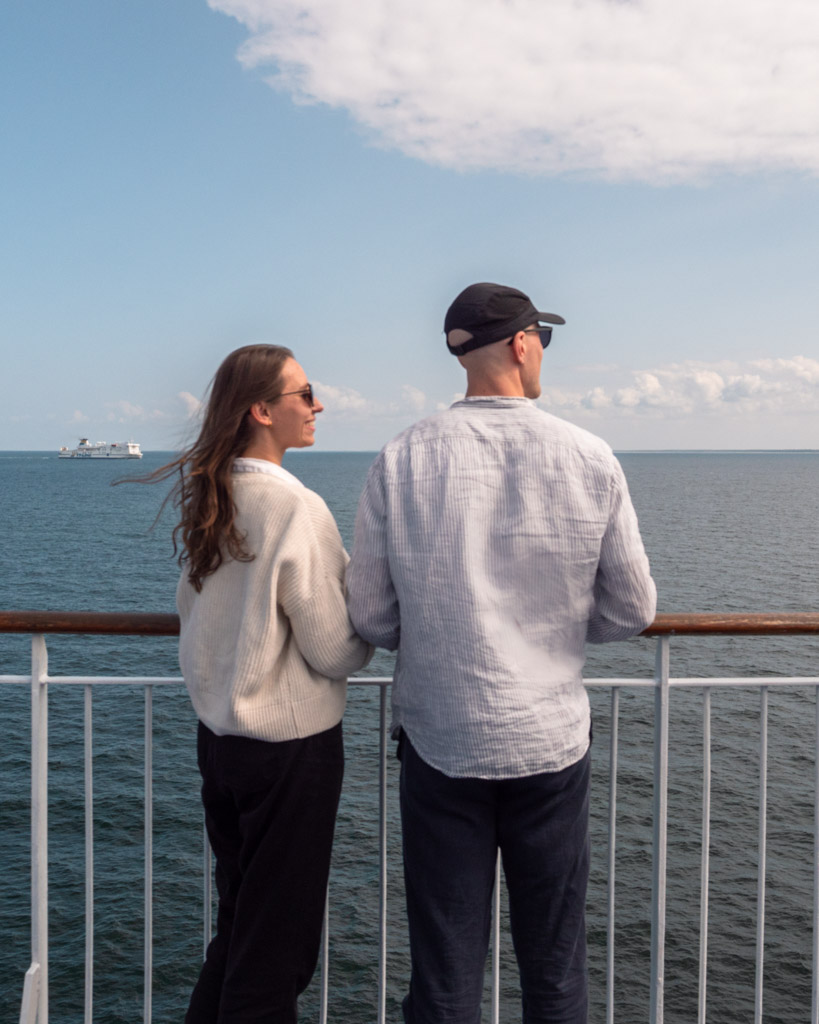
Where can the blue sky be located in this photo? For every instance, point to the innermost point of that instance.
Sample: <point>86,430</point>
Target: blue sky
<point>179,179</point>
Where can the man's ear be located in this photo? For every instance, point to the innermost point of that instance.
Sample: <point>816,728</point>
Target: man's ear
<point>518,346</point>
<point>260,413</point>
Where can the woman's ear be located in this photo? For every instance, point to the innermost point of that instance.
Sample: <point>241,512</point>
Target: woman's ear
<point>260,413</point>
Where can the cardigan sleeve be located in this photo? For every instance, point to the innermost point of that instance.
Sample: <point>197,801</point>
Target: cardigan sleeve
<point>311,592</point>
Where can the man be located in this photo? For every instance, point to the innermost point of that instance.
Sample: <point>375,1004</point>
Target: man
<point>491,541</point>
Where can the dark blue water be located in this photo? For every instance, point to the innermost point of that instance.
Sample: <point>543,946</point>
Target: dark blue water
<point>724,532</point>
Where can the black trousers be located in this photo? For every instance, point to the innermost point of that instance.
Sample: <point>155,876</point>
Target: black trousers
<point>452,830</point>
<point>270,811</point>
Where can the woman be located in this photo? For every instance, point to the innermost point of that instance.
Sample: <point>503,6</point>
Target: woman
<point>265,646</point>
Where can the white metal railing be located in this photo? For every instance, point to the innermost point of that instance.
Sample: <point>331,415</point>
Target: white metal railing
<point>34,1005</point>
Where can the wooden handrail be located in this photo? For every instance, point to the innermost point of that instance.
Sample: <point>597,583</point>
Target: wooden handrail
<point>121,623</point>
<point>734,623</point>
<point>162,624</point>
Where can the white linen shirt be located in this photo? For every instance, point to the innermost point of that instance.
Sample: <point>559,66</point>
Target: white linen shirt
<point>491,541</point>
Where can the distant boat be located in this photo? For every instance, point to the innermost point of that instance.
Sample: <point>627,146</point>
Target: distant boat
<point>101,450</point>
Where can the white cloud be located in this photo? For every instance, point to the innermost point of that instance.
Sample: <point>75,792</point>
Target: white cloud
<point>123,411</point>
<point>341,400</point>
<point>193,405</point>
<point>413,398</point>
<point>695,388</point>
<point>652,90</point>
<point>596,399</point>
<point>79,417</point>
<point>456,397</point>
<point>800,366</point>
<point>559,398</point>
<point>351,404</point>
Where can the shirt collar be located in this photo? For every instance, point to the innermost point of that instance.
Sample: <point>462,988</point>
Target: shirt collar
<point>495,401</point>
<point>263,466</point>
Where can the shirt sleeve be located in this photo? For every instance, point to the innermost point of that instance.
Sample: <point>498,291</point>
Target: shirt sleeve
<point>371,595</point>
<point>311,594</point>
<point>625,597</point>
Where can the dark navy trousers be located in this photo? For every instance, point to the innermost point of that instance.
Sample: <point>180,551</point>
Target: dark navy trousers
<point>452,829</point>
<point>270,811</point>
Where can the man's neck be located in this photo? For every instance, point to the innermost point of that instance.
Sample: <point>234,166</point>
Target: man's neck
<point>494,387</point>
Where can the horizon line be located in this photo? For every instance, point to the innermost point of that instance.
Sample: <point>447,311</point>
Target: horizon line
<point>374,451</point>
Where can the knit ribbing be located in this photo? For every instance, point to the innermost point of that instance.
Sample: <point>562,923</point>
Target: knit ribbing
<point>266,647</point>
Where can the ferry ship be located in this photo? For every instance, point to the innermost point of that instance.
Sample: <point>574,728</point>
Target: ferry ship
<point>100,450</point>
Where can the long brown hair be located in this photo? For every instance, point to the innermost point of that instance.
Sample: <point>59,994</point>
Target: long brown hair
<point>203,491</point>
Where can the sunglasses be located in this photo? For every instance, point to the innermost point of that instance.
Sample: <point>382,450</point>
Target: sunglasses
<point>306,393</point>
<point>545,333</point>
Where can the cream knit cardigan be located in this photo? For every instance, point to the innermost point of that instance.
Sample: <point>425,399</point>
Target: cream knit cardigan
<point>266,647</point>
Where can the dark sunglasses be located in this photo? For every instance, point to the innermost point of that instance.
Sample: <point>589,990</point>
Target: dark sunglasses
<point>545,333</point>
<point>306,394</point>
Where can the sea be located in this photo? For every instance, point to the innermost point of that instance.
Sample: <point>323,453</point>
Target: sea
<point>724,531</point>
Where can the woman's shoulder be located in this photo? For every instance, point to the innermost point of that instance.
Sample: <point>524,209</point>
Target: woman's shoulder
<point>276,497</point>
<point>317,509</point>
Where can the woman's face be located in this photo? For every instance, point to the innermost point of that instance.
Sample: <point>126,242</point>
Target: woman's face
<point>293,415</point>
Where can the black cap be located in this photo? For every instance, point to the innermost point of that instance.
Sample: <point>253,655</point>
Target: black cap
<point>490,313</point>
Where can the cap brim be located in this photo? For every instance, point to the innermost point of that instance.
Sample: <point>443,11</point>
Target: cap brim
<point>550,318</point>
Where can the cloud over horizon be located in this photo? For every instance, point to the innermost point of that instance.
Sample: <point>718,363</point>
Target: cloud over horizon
<point>778,386</point>
<point>642,90</point>
<point>674,390</point>
<point>124,411</point>
<point>348,403</point>
<point>193,405</point>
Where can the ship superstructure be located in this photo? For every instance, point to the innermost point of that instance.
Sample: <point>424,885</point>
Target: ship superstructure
<point>101,450</point>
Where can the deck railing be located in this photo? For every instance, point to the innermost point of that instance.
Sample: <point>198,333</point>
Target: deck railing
<point>34,1007</point>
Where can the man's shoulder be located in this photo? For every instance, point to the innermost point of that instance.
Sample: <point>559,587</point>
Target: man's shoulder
<point>527,423</point>
<point>441,422</point>
<point>569,434</point>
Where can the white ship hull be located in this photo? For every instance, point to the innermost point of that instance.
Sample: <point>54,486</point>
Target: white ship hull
<point>101,450</point>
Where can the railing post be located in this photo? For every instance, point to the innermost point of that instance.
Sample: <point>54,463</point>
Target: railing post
<point>705,853</point>
<point>496,939</point>
<point>763,858</point>
<point>31,992</point>
<point>88,751</point>
<point>659,851</point>
<point>34,1007</point>
<point>382,854</point>
<point>814,1012</point>
<point>147,999</point>
<point>207,895</point>
<point>325,960</point>
<point>610,939</point>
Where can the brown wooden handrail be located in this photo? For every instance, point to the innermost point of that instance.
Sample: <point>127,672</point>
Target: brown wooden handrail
<point>122,623</point>
<point>161,624</point>
<point>732,623</point>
